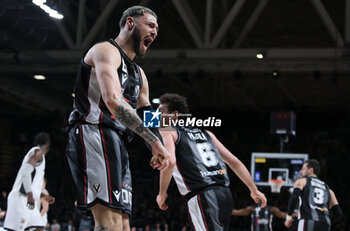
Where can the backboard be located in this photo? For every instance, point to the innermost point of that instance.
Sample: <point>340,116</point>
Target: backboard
<point>285,166</point>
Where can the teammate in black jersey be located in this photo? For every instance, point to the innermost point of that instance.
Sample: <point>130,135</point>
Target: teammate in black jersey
<point>108,89</point>
<point>261,217</point>
<point>197,163</point>
<point>316,200</point>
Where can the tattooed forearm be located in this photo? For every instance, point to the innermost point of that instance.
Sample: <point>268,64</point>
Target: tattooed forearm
<point>127,116</point>
<point>101,228</point>
<point>147,134</point>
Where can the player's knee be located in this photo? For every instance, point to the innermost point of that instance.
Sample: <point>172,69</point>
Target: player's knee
<point>109,225</point>
<point>107,218</point>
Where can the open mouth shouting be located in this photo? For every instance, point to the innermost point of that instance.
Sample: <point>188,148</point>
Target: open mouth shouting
<point>147,41</point>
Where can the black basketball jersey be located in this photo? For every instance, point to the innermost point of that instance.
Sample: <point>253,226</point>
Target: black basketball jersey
<point>261,219</point>
<point>199,163</point>
<point>315,199</point>
<point>88,105</point>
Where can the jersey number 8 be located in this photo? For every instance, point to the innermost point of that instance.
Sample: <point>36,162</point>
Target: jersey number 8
<point>207,154</point>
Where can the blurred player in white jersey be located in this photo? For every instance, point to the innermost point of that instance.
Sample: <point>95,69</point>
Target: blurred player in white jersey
<point>22,211</point>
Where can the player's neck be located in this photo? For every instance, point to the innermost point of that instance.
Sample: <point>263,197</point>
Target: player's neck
<point>126,43</point>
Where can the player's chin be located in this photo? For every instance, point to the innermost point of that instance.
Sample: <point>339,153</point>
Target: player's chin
<point>143,52</point>
<point>144,49</point>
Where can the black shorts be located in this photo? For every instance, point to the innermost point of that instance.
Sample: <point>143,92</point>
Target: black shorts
<point>310,225</point>
<point>211,209</point>
<point>99,162</point>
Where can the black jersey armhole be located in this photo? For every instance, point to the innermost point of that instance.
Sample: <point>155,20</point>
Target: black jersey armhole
<point>122,54</point>
<point>178,136</point>
<point>83,62</point>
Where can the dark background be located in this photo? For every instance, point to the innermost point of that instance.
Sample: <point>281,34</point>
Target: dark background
<point>305,42</point>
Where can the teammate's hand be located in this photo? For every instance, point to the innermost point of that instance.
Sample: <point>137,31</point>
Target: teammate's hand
<point>259,197</point>
<point>160,159</point>
<point>288,221</point>
<point>49,199</point>
<point>30,201</point>
<point>161,201</point>
<point>154,162</point>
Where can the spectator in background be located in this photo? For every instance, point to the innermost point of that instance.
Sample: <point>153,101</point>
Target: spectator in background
<point>70,226</point>
<point>85,223</point>
<point>55,226</point>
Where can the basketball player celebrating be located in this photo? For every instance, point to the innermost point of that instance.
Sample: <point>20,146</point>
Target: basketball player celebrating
<point>197,163</point>
<point>316,200</point>
<point>22,209</point>
<point>109,86</point>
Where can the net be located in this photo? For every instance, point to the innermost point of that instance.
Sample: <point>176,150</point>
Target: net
<point>276,185</point>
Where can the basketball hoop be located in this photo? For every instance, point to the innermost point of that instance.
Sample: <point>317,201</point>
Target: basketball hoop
<point>276,185</point>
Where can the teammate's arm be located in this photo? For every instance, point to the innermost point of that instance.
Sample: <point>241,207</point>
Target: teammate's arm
<point>48,198</point>
<point>243,212</point>
<point>241,171</point>
<point>336,212</point>
<point>105,62</point>
<point>169,138</point>
<point>293,200</point>
<point>278,213</point>
<point>45,207</point>
<point>333,202</point>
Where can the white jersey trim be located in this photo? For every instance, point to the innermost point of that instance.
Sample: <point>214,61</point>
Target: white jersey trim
<point>195,214</point>
<point>94,97</point>
<point>181,185</point>
<point>301,225</point>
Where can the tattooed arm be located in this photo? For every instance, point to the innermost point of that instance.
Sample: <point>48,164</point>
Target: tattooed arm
<point>106,59</point>
<point>126,115</point>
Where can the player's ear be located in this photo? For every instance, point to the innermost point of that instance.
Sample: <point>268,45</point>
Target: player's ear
<point>130,22</point>
<point>312,170</point>
<point>308,171</point>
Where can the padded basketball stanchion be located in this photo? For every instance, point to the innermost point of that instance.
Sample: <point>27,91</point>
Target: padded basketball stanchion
<point>276,185</point>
